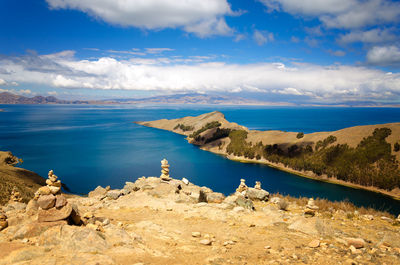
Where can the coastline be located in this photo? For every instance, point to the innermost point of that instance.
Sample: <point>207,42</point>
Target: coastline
<point>168,125</point>
<point>308,174</point>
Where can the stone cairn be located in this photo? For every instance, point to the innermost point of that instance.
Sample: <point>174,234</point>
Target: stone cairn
<point>15,196</point>
<point>311,207</point>
<point>165,170</point>
<point>53,206</point>
<point>242,186</point>
<point>258,185</point>
<point>3,220</point>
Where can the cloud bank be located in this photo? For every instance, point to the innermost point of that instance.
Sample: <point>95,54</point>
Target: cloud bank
<point>323,83</point>
<point>203,18</point>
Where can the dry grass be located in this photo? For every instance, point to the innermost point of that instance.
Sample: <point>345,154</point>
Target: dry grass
<point>329,207</point>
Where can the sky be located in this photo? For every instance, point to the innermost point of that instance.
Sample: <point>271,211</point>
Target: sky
<point>302,52</point>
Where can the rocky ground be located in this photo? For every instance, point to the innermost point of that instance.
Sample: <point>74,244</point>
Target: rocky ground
<point>175,222</point>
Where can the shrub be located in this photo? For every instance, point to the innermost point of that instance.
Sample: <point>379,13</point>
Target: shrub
<point>300,135</point>
<point>396,147</point>
<point>206,127</point>
<point>283,205</point>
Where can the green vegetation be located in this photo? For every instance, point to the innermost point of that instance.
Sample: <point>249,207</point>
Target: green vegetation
<point>300,135</point>
<point>370,163</point>
<point>396,147</point>
<point>218,134</point>
<point>206,127</point>
<point>183,127</point>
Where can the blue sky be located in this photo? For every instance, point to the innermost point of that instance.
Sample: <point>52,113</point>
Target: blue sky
<point>310,51</point>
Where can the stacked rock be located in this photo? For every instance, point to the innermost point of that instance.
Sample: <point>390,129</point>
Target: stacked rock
<point>311,208</point>
<point>3,221</point>
<point>15,196</point>
<point>165,170</point>
<point>53,206</point>
<point>258,185</point>
<point>242,186</point>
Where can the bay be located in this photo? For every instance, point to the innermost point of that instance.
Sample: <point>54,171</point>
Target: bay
<point>88,145</point>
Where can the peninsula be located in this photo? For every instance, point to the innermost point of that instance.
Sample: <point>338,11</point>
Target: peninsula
<point>362,157</point>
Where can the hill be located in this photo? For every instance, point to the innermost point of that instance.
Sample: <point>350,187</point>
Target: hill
<point>25,181</point>
<point>363,156</point>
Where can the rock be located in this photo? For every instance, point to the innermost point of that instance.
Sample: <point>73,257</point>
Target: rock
<point>54,214</point>
<point>46,201</point>
<point>387,219</point>
<point>113,194</point>
<point>32,207</point>
<point>165,170</point>
<point>314,244</point>
<point>238,209</point>
<point>305,225</point>
<point>129,187</point>
<point>258,185</point>
<point>185,181</point>
<point>15,206</point>
<point>242,186</point>
<point>215,197</point>
<point>54,190</point>
<point>244,202</point>
<point>275,200</point>
<point>202,196</point>
<point>35,229</point>
<point>196,234</point>
<point>75,215</point>
<point>205,242</point>
<point>310,205</point>
<point>354,250</point>
<point>368,217</point>
<point>356,242</point>
<point>44,190</point>
<point>309,213</point>
<point>257,194</point>
<point>99,191</point>
<point>60,201</point>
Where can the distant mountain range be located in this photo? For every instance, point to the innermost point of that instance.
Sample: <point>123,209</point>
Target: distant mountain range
<point>191,98</point>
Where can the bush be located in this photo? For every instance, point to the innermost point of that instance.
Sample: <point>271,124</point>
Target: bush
<point>206,127</point>
<point>183,127</point>
<point>283,205</point>
<point>396,147</point>
<point>300,135</point>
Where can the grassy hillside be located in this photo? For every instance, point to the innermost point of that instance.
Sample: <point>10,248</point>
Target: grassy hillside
<point>364,155</point>
<point>25,181</point>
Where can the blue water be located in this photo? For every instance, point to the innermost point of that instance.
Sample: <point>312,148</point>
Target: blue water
<point>100,145</point>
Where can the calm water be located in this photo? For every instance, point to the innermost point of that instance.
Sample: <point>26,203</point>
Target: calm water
<point>100,145</point>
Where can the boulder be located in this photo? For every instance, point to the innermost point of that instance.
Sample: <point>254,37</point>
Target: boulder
<point>60,201</point>
<point>215,197</point>
<point>46,201</point>
<point>15,206</point>
<point>356,242</point>
<point>129,187</point>
<point>32,207</point>
<point>54,214</point>
<point>99,191</point>
<point>257,194</point>
<point>113,194</point>
<point>239,200</point>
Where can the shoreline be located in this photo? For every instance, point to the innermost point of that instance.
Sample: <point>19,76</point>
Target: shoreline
<point>309,175</point>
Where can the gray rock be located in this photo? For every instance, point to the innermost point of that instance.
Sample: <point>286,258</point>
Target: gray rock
<point>46,201</point>
<point>129,187</point>
<point>99,191</point>
<point>256,194</point>
<point>113,194</point>
<point>239,200</point>
<point>215,197</point>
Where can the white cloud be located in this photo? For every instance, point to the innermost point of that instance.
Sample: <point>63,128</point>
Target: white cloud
<point>2,82</point>
<point>384,55</point>
<point>52,93</point>
<point>318,82</point>
<point>204,18</point>
<point>369,36</point>
<point>262,37</point>
<point>338,53</point>
<point>347,14</point>
<point>158,50</point>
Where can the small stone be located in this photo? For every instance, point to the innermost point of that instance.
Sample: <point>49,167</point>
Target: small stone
<point>60,201</point>
<point>99,191</point>
<point>205,242</point>
<point>45,190</point>
<point>238,209</point>
<point>356,242</point>
<point>46,201</point>
<point>185,181</point>
<point>267,247</point>
<point>196,234</point>
<point>314,244</point>
<point>354,250</point>
<point>368,217</point>
<point>54,190</point>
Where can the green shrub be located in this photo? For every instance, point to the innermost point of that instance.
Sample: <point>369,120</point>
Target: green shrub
<point>206,127</point>
<point>300,135</point>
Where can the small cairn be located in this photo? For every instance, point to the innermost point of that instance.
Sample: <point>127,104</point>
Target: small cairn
<point>242,186</point>
<point>90,221</point>
<point>311,208</point>
<point>15,196</point>
<point>165,170</point>
<point>258,185</point>
<point>53,206</point>
<point>3,220</point>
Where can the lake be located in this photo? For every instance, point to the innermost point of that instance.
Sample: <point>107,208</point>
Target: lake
<point>88,145</point>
